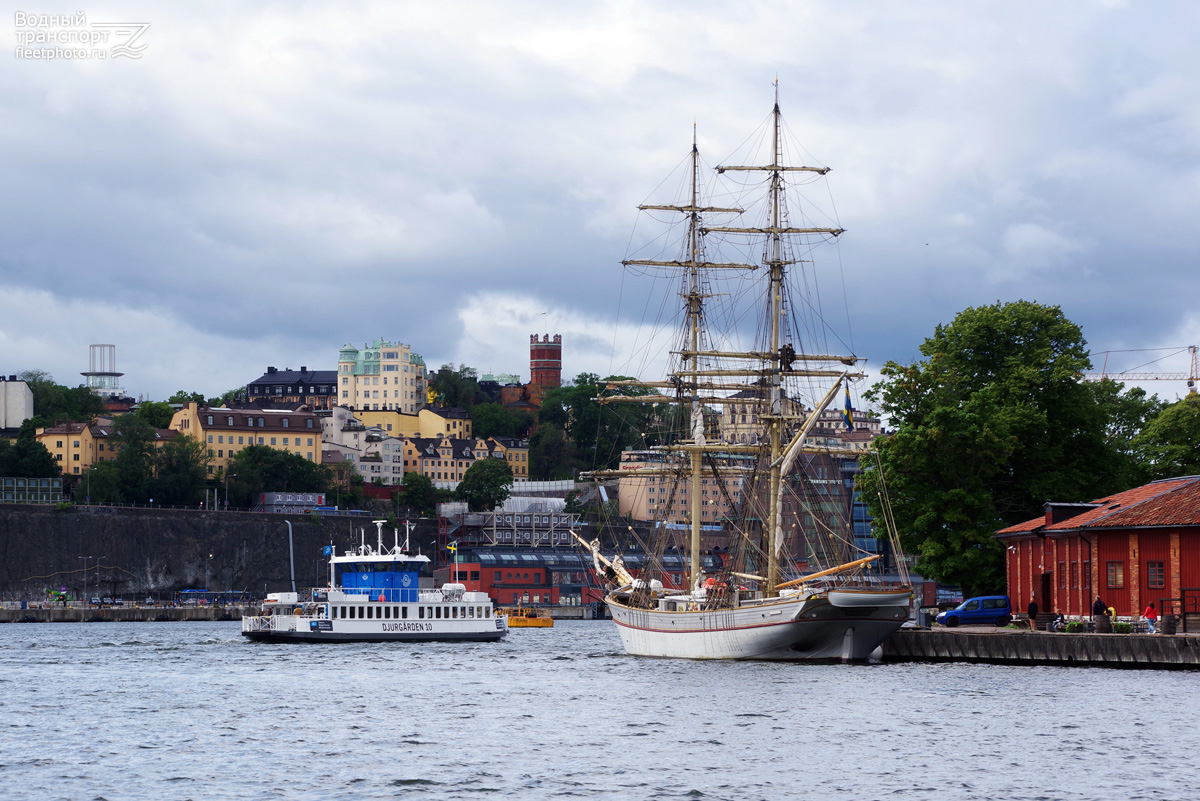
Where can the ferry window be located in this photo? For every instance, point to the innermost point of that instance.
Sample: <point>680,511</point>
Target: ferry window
<point>420,612</point>
<point>404,611</point>
<point>370,612</point>
<point>470,611</point>
<point>454,612</point>
<point>360,612</point>
<point>437,612</point>
<point>387,612</point>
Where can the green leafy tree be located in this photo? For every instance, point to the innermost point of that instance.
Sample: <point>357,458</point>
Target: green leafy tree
<point>135,440</point>
<point>550,454</point>
<point>493,420</point>
<point>1129,412</point>
<point>993,422</point>
<point>599,432</point>
<point>100,484</point>
<point>259,468</point>
<point>52,402</point>
<point>27,458</point>
<point>181,470</point>
<point>1169,446</point>
<point>184,397</point>
<point>458,387</point>
<point>419,493</point>
<point>486,484</point>
<point>156,413</point>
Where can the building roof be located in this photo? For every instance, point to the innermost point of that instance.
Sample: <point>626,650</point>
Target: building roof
<point>301,376</point>
<point>1168,502</point>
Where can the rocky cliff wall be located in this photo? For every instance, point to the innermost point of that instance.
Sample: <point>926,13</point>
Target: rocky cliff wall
<point>156,552</point>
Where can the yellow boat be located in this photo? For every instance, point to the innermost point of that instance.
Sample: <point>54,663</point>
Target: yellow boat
<point>520,617</point>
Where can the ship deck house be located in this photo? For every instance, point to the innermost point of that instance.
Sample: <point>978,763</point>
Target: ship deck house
<point>1130,549</point>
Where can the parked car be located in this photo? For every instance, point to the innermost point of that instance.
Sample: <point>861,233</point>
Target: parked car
<point>118,601</point>
<point>95,600</point>
<point>107,601</point>
<point>981,610</point>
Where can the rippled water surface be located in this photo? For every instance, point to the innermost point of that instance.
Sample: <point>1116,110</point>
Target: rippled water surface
<point>192,711</point>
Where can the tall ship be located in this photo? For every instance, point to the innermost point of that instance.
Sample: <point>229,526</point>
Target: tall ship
<point>749,335</point>
<point>374,595</point>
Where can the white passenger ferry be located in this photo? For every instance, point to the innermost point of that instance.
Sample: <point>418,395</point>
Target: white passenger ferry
<point>374,595</point>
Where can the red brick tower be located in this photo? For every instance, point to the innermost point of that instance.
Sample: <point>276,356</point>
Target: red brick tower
<point>545,364</point>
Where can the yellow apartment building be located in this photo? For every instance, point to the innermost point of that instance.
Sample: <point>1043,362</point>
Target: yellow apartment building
<point>226,432</point>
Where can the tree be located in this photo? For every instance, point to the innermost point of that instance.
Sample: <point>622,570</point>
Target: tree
<point>419,493</point>
<point>486,484</point>
<point>493,420</point>
<point>135,440</point>
<point>260,468</point>
<point>156,413</point>
<point>457,387</point>
<point>991,424</point>
<point>53,402</point>
<point>184,397</point>
<point>1169,446</point>
<point>1129,413</point>
<point>599,432</point>
<point>181,470</point>
<point>550,455</point>
<point>100,484</point>
<point>27,458</point>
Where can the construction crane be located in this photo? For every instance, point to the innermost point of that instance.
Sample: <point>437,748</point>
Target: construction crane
<point>1192,376</point>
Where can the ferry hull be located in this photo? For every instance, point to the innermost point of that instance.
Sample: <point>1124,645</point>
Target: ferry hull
<point>787,630</point>
<point>297,628</point>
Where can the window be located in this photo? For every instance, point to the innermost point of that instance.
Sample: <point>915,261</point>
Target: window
<point>1116,574</point>
<point>229,421</point>
<point>1156,575</point>
<point>1062,575</point>
<point>310,423</point>
<point>272,440</point>
<point>262,422</point>
<point>285,440</point>
<point>284,422</point>
<point>210,419</point>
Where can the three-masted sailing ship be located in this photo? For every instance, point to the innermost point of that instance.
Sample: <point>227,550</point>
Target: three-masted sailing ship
<point>746,607</point>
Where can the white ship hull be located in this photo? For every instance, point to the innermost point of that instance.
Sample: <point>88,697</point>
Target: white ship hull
<point>784,629</point>
<point>317,628</point>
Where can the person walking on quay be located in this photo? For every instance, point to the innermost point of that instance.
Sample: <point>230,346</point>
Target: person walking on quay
<point>1032,611</point>
<point>1151,615</point>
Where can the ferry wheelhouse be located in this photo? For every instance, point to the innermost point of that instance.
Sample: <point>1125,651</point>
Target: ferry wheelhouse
<point>374,595</point>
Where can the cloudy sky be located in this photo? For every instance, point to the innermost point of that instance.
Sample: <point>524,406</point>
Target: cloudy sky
<point>271,180</point>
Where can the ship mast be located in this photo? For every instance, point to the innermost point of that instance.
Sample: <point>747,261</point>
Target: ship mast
<point>775,261</point>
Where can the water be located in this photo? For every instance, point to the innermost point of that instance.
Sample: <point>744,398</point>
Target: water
<point>192,711</point>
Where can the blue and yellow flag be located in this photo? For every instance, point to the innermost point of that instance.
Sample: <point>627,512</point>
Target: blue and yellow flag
<point>848,412</point>
<point>452,547</point>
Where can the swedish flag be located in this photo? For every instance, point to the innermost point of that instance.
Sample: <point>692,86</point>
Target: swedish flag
<point>848,412</point>
<point>452,547</point>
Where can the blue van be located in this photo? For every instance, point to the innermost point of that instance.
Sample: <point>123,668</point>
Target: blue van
<point>985,609</point>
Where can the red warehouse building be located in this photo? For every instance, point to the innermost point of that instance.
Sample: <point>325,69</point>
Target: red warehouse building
<point>1130,549</point>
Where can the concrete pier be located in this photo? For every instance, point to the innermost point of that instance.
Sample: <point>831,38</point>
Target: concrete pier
<point>120,614</point>
<point>1008,647</point>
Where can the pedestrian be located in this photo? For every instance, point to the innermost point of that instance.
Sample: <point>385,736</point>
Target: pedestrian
<point>1032,611</point>
<point>1151,615</point>
<point>1099,609</point>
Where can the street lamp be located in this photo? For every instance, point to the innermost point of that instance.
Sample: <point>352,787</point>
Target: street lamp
<point>206,571</point>
<point>227,489</point>
<point>85,595</point>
